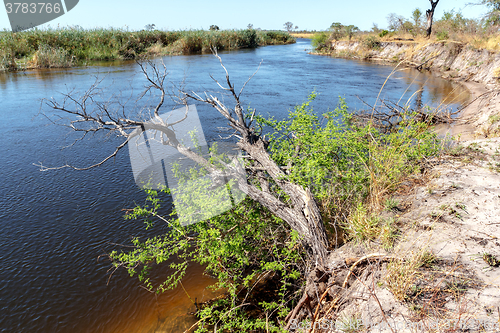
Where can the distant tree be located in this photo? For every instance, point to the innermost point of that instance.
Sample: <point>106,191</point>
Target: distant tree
<point>150,27</point>
<point>336,25</point>
<point>375,28</point>
<point>399,23</point>
<point>288,26</point>
<point>429,13</point>
<point>214,27</point>
<point>416,15</point>
<point>395,22</point>
<point>337,30</point>
<point>250,26</point>
<point>493,16</point>
<point>296,27</point>
<point>350,30</point>
<point>454,22</point>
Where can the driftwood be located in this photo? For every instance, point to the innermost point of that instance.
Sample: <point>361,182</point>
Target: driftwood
<point>389,115</point>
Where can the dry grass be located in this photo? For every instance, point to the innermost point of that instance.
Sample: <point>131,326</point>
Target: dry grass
<point>362,225</point>
<point>402,274</point>
<point>156,50</point>
<point>307,35</point>
<point>50,57</point>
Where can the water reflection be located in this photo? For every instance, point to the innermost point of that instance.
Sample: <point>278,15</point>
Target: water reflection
<point>440,91</point>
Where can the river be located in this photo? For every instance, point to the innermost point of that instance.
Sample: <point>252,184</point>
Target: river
<point>56,224</point>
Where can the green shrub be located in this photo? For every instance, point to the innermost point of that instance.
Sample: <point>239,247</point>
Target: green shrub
<point>275,38</point>
<point>383,33</point>
<point>249,38</point>
<point>372,42</point>
<point>346,165</point>
<point>442,35</point>
<point>319,40</point>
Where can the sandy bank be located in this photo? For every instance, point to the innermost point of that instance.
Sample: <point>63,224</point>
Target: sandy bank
<point>448,217</point>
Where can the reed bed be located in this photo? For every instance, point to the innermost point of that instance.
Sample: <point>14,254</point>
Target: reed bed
<point>66,46</point>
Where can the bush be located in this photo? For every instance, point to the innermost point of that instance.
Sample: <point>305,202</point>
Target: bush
<point>372,42</point>
<point>249,38</point>
<point>442,35</point>
<point>275,38</point>
<point>319,40</point>
<point>383,33</point>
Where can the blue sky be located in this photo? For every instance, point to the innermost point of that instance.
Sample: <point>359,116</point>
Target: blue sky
<point>196,14</point>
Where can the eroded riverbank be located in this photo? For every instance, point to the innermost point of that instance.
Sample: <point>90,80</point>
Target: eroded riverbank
<point>478,70</point>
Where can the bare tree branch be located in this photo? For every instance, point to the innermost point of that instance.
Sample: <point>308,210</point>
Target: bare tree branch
<point>266,183</point>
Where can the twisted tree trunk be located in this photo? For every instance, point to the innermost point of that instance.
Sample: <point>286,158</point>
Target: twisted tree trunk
<point>302,213</point>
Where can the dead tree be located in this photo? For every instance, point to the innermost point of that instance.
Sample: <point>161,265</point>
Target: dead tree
<point>429,13</point>
<point>266,181</point>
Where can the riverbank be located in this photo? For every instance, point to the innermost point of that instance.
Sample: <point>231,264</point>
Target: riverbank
<point>59,48</point>
<point>452,60</point>
<point>477,69</point>
<point>443,271</point>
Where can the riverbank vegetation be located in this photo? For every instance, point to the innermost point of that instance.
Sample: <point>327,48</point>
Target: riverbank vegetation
<point>65,47</point>
<point>351,167</point>
<point>453,26</point>
<point>346,166</point>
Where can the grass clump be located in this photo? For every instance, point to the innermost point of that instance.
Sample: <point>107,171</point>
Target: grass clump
<point>494,118</point>
<point>402,273</point>
<point>7,60</point>
<point>50,57</point>
<point>491,260</point>
<point>362,225</point>
<point>391,203</point>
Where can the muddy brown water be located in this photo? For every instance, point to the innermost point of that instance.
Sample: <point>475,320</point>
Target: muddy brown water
<point>54,225</point>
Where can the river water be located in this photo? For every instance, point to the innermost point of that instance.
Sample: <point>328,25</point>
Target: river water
<point>55,225</point>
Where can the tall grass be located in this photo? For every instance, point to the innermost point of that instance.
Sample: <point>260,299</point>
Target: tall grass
<point>50,57</point>
<point>7,60</point>
<point>111,44</point>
